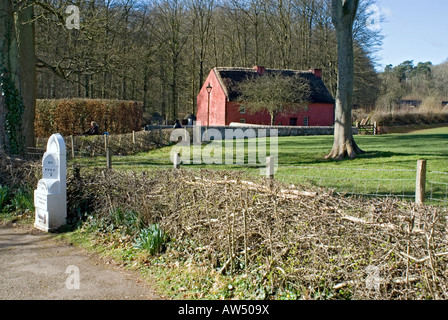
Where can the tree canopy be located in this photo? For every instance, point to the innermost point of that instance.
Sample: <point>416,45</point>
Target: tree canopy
<point>412,81</point>
<point>275,94</point>
<point>159,52</point>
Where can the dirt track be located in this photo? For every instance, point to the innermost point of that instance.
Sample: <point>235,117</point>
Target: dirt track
<point>34,267</point>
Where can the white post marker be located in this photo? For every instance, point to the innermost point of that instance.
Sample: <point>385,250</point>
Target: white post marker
<point>270,167</point>
<point>176,160</point>
<point>50,197</point>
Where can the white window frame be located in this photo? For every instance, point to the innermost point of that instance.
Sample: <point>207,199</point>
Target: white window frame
<point>306,121</point>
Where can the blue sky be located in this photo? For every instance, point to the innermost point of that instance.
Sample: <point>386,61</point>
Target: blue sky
<point>414,30</point>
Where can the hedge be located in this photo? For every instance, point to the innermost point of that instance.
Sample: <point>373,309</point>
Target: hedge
<point>73,116</point>
<point>409,118</point>
<point>118,144</point>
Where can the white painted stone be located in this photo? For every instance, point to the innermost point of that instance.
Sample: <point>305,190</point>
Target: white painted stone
<point>50,196</point>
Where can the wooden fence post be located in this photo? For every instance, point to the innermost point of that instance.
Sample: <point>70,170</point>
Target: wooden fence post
<point>108,159</point>
<point>105,143</point>
<point>270,167</point>
<point>420,182</point>
<point>73,146</point>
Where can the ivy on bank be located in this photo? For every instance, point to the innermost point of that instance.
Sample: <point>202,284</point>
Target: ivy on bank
<point>13,116</point>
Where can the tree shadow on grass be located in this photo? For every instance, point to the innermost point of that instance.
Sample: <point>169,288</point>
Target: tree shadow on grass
<point>389,154</point>
<point>381,154</point>
<point>373,156</point>
<point>320,159</point>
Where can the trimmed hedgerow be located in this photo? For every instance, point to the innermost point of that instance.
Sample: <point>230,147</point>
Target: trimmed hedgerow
<point>73,116</point>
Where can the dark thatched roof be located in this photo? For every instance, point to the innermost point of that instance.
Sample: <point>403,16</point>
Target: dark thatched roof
<point>190,116</point>
<point>230,79</point>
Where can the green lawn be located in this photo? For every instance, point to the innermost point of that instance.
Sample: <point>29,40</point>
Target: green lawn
<point>442,130</point>
<point>387,167</point>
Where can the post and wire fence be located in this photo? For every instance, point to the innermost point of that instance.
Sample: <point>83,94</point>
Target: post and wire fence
<point>353,181</point>
<point>437,191</point>
<point>79,146</point>
<point>419,185</point>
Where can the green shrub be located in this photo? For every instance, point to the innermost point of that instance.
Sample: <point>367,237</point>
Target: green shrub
<point>127,222</point>
<point>129,219</point>
<point>3,197</point>
<point>151,239</point>
<point>23,200</point>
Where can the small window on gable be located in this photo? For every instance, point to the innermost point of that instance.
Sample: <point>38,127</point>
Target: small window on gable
<point>242,120</point>
<point>242,109</point>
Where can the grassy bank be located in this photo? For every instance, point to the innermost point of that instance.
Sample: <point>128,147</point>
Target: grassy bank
<point>226,239</point>
<point>387,167</point>
<point>386,151</point>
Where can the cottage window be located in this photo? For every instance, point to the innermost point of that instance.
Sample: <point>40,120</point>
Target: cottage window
<point>242,120</point>
<point>306,121</point>
<point>242,109</point>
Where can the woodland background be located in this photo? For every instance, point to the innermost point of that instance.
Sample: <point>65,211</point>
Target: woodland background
<point>160,52</point>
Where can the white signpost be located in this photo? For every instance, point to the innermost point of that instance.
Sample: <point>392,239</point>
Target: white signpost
<point>50,197</point>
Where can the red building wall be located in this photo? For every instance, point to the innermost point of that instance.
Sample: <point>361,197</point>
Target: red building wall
<point>319,114</point>
<point>223,112</point>
<point>216,114</point>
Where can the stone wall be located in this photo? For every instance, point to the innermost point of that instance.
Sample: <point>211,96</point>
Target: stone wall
<point>258,129</point>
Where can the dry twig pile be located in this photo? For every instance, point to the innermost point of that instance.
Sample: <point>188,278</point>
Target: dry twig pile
<point>312,241</point>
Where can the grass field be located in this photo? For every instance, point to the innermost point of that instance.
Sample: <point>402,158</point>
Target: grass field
<point>388,166</point>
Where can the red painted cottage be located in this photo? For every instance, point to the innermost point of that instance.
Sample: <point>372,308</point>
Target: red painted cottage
<point>218,99</point>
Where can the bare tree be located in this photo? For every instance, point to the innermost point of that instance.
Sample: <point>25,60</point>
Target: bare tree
<point>275,94</point>
<point>201,16</point>
<point>173,35</point>
<point>343,17</point>
<point>160,51</point>
<point>280,24</point>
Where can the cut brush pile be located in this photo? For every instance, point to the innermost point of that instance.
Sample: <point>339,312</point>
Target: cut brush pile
<point>282,238</point>
<point>311,244</point>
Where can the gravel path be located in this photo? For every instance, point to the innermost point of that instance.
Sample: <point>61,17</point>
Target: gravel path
<point>34,267</point>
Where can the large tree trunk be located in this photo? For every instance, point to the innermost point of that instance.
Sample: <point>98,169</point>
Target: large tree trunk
<point>3,50</point>
<point>10,135</point>
<point>17,70</point>
<point>27,62</point>
<point>343,16</point>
